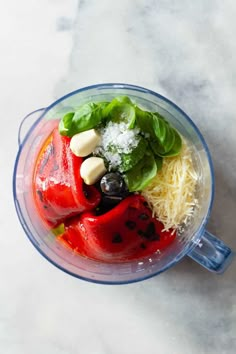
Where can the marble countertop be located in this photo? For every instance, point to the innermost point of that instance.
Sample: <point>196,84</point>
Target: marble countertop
<point>185,50</point>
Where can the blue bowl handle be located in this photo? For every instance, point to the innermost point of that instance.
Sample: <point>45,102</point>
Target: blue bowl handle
<point>212,253</point>
<point>27,123</point>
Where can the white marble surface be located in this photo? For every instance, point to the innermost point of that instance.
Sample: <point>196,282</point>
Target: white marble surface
<point>183,49</point>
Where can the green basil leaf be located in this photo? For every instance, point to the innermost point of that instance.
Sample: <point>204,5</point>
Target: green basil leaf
<point>65,123</point>
<point>122,112</point>
<point>160,128</point>
<point>170,138</point>
<point>118,101</point>
<point>142,173</point>
<point>128,161</point>
<point>132,121</point>
<point>86,117</point>
<point>108,109</point>
<point>144,121</point>
<point>168,141</point>
<point>123,99</point>
<point>155,146</point>
<point>120,109</point>
<point>102,105</point>
<point>176,147</point>
<point>159,162</point>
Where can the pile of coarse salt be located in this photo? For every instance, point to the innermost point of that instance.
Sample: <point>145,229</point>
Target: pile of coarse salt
<point>116,139</point>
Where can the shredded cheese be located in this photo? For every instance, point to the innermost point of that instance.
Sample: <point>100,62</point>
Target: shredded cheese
<point>171,194</point>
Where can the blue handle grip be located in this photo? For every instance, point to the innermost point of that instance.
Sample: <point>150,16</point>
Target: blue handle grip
<point>212,253</point>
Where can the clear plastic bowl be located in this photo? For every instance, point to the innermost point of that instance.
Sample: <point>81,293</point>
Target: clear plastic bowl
<point>196,242</point>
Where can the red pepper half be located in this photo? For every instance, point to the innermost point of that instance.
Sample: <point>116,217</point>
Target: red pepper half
<point>126,232</point>
<point>58,189</point>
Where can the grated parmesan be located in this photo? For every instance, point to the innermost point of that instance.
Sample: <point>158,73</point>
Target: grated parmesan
<point>170,195</point>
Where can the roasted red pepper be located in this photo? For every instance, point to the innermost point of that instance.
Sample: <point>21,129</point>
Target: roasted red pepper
<point>128,231</point>
<point>59,190</point>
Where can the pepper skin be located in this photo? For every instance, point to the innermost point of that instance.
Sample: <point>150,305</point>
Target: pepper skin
<point>58,189</point>
<point>126,232</point>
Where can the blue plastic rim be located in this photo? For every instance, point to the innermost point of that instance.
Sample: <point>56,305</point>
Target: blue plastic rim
<point>189,247</point>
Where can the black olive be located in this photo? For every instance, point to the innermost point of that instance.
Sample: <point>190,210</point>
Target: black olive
<point>113,184</point>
